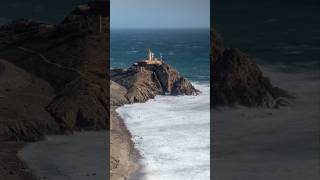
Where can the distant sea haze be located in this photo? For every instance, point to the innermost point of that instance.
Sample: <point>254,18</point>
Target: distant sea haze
<point>172,133</point>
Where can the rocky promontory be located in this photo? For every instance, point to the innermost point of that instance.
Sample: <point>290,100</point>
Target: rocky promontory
<point>237,80</point>
<point>141,85</point>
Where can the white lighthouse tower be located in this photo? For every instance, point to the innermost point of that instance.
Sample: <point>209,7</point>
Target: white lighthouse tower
<point>151,59</point>
<point>150,56</point>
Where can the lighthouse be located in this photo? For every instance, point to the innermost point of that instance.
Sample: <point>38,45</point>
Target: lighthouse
<point>151,59</point>
<point>150,56</point>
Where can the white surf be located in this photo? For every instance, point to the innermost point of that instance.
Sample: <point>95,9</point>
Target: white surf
<point>172,134</point>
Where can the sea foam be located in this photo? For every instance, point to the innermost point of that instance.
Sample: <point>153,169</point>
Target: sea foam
<point>172,134</point>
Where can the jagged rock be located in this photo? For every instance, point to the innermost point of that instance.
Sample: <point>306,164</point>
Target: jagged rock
<point>144,84</point>
<point>81,106</point>
<point>23,98</point>
<point>237,79</point>
<point>117,94</point>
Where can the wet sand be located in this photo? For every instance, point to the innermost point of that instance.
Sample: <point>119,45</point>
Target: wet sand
<point>271,144</point>
<point>81,156</point>
<point>124,162</point>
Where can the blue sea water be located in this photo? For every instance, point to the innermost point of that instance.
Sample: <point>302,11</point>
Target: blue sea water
<point>186,50</point>
<point>172,133</point>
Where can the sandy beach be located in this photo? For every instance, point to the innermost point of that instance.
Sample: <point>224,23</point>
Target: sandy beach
<point>123,156</point>
<point>81,156</point>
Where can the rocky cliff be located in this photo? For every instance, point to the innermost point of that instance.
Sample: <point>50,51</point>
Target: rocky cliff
<point>53,80</point>
<point>237,79</point>
<point>140,85</point>
<point>72,57</point>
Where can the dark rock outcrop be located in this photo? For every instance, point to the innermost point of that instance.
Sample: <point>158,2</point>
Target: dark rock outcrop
<point>72,58</point>
<point>82,105</point>
<point>53,79</point>
<point>23,98</point>
<point>144,84</point>
<point>118,94</point>
<point>237,79</point>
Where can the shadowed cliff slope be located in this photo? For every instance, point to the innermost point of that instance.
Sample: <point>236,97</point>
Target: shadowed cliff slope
<point>72,58</point>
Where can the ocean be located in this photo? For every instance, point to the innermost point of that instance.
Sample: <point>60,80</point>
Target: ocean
<point>282,33</point>
<point>185,50</point>
<point>172,133</point>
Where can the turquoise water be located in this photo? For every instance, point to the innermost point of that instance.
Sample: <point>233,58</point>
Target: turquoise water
<point>185,50</point>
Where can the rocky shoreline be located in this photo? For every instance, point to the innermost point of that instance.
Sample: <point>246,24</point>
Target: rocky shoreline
<point>134,85</point>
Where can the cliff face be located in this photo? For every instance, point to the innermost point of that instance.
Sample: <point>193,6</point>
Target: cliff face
<point>237,79</point>
<point>144,84</point>
<point>53,79</point>
<point>73,58</point>
<point>23,98</point>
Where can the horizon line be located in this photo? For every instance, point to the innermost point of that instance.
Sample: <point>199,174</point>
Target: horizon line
<point>159,28</point>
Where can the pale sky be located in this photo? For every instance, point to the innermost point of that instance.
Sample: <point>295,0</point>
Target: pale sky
<point>153,14</point>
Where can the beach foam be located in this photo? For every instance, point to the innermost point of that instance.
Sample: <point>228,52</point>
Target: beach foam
<point>172,134</point>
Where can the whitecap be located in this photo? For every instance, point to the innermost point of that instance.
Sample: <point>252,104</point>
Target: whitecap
<point>172,134</point>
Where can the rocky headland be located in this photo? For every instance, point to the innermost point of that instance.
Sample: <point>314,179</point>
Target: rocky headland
<point>136,85</point>
<point>237,80</point>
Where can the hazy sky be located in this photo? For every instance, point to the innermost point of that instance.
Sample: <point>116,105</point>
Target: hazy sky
<point>160,13</point>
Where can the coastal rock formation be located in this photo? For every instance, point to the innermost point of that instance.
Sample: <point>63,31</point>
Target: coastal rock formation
<point>144,83</point>
<point>23,98</point>
<point>72,58</point>
<point>53,79</point>
<point>118,94</point>
<point>81,106</point>
<point>237,79</point>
